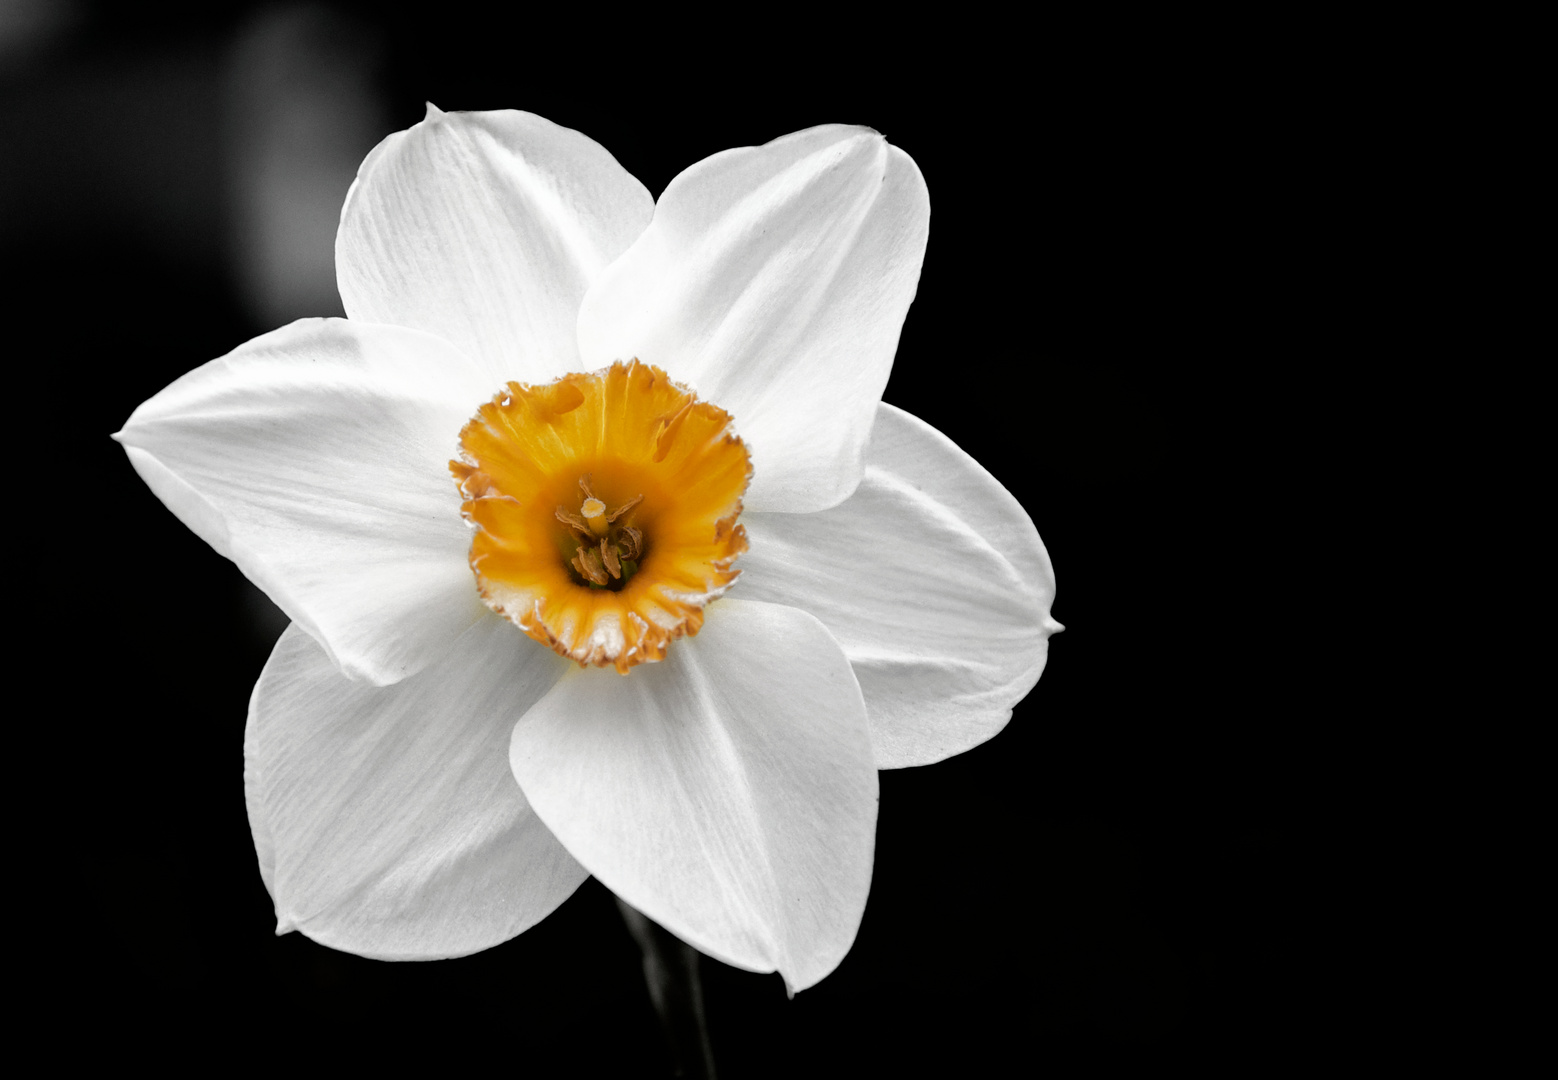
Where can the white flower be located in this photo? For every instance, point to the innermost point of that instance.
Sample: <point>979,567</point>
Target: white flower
<point>424,780</point>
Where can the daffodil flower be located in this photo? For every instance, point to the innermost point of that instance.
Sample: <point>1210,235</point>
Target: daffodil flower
<point>603,554</point>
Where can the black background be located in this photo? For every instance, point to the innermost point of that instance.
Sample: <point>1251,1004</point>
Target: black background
<point>1110,880</point>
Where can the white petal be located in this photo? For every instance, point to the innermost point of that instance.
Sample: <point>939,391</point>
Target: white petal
<point>934,580</point>
<point>727,792</point>
<point>486,228</point>
<point>254,802</point>
<point>316,458</point>
<point>397,830</point>
<point>774,281</point>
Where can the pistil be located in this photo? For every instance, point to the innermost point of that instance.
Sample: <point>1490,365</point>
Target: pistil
<point>594,512</point>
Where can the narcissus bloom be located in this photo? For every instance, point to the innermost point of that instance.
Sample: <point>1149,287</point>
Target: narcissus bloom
<point>603,554</point>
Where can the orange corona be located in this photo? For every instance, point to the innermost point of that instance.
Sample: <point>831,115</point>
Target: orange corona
<point>604,508</point>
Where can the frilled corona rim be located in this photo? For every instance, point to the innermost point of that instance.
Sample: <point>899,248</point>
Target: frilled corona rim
<point>604,507</point>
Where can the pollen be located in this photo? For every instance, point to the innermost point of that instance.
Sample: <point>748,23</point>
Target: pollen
<point>604,510</point>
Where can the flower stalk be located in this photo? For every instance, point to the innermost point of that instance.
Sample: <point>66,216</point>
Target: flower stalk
<point>676,989</point>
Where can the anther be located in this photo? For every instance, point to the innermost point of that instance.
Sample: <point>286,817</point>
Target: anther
<point>608,554</point>
<point>624,508</point>
<point>588,563</point>
<point>632,541</point>
<point>573,521</point>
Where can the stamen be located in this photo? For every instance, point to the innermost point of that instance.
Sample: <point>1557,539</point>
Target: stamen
<point>573,520</point>
<point>624,508</point>
<point>632,542</point>
<point>588,563</point>
<point>608,554</point>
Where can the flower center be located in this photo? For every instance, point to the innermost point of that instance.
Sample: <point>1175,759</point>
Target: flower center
<point>604,507</point>
<point>608,552</point>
